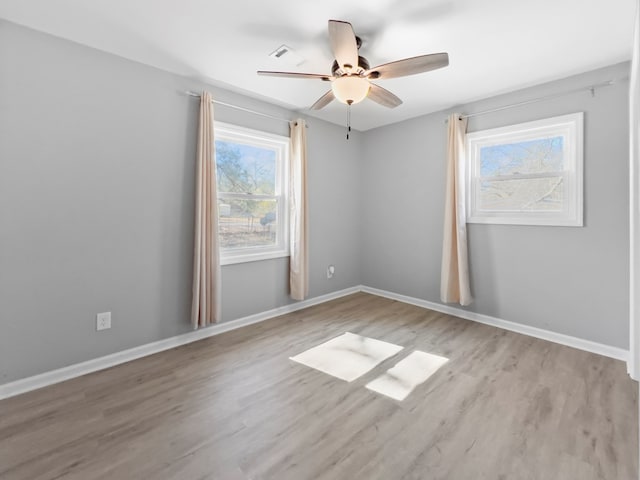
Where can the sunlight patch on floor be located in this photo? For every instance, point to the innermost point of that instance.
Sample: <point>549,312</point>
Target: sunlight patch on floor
<point>399,381</point>
<point>348,356</point>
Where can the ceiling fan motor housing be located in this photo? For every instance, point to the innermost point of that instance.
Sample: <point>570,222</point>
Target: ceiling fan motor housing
<point>363,64</point>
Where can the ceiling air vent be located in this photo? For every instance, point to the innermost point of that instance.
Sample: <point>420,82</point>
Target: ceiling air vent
<point>280,51</point>
<point>287,55</point>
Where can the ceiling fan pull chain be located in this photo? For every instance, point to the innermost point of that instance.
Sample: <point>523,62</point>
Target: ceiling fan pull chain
<point>348,120</point>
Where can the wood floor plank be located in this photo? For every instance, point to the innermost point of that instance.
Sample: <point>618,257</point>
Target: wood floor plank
<point>234,407</point>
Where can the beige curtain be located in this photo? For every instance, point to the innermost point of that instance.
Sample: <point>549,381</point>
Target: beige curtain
<point>633,364</point>
<point>205,306</point>
<point>298,214</point>
<point>454,279</point>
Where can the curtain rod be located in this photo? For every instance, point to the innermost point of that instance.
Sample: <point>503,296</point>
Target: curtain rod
<point>217,102</point>
<point>590,88</point>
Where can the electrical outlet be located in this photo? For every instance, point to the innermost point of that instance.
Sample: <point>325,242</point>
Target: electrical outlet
<point>330,271</point>
<point>103,321</point>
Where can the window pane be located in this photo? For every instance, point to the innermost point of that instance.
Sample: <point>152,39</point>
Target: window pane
<point>245,168</point>
<point>247,223</point>
<point>532,156</point>
<point>539,194</point>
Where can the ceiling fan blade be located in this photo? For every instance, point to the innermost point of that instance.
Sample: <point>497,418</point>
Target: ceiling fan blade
<point>295,75</point>
<point>343,44</point>
<point>383,96</point>
<point>409,66</point>
<point>323,101</point>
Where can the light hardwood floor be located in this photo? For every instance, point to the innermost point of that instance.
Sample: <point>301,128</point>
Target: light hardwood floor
<point>505,407</point>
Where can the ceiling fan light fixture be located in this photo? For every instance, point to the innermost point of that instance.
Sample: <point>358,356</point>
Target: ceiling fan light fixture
<point>350,89</point>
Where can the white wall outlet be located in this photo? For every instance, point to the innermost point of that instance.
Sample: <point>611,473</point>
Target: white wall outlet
<point>330,271</point>
<point>103,321</point>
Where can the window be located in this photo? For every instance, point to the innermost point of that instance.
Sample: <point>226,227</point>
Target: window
<point>252,173</point>
<point>526,174</point>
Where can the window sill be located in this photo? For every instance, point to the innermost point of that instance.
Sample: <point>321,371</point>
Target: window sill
<point>533,220</point>
<point>252,257</point>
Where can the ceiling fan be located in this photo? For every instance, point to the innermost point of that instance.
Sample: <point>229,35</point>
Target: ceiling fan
<point>351,75</point>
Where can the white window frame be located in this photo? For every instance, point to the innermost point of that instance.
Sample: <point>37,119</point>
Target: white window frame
<point>236,134</point>
<point>570,127</point>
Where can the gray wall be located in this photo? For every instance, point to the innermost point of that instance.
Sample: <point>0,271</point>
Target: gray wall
<point>566,279</point>
<point>96,204</point>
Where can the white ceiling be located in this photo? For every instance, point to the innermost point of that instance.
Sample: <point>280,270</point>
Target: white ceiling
<point>494,46</point>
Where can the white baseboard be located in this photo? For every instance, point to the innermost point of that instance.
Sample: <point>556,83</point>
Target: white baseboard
<point>66,373</point>
<point>568,340</point>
